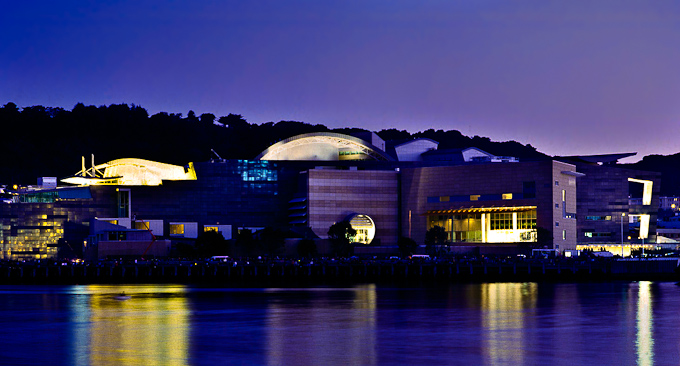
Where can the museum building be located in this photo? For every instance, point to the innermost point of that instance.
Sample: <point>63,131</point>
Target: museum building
<point>311,181</point>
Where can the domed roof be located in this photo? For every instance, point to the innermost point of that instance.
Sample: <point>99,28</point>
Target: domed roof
<point>324,146</point>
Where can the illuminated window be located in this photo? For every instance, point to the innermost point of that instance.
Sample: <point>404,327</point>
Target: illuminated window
<point>501,221</point>
<point>474,197</point>
<point>564,234</point>
<point>444,199</point>
<point>590,234</point>
<point>599,218</point>
<point>564,195</point>
<point>141,225</point>
<point>210,228</point>
<point>526,220</point>
<point>176,229</point>
<point>507,196</point>
<point>115,222</point>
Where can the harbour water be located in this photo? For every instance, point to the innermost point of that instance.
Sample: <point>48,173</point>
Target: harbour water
<point>608,323</point>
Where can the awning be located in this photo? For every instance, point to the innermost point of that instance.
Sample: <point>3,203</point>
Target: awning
<point>480,210</point>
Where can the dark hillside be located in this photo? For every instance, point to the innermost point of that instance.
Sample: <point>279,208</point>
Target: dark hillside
<point>44,141</point>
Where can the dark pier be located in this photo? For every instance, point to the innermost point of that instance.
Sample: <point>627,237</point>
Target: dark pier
<point>326,271</point>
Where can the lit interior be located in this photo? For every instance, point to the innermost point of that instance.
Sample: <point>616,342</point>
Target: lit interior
<point>486,225</point>
<point>365,228</point>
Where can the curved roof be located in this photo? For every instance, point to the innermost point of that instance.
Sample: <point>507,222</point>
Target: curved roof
<point>326,146</point>
<point>132,172</point>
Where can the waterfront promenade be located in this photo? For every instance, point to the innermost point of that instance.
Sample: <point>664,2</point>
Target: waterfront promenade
<point>247,270</point>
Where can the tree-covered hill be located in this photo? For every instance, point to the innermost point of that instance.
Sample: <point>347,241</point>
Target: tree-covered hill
<point>45,141</point>
<point>667,165</point>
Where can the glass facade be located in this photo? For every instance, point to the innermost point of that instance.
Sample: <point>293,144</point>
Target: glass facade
<point>43,222</point>
<point>491,227</point>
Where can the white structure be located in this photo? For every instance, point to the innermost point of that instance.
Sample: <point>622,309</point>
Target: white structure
<point>131,172</point>
<point>323,146</point>
<point>412,150</point>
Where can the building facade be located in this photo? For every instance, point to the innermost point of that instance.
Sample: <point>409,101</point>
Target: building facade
<point>492,205</point>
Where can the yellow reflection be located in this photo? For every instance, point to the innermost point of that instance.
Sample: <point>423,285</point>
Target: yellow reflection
<point>503,306</point>
<point>645,339</point>
<point>144,330</point>
<point>323,330</point>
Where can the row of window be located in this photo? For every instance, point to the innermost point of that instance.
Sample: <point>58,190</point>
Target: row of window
<point>590,234</point>
<point>599,218</point>
<point>476,197</point>
<point>528,191</point>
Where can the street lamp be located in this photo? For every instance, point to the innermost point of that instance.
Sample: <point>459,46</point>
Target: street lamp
<point>623,214</point>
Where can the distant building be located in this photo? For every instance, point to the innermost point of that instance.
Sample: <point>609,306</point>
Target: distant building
<point>308,182</point>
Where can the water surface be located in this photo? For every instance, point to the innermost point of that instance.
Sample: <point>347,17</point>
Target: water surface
<point>617,323</point>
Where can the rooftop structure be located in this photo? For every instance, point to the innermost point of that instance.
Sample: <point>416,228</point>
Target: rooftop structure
<point>325,146</point>
<point>131,172</point>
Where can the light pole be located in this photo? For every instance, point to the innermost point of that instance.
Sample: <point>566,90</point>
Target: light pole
<point>623,214</point>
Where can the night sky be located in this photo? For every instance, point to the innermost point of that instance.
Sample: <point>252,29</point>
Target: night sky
<point>568,77</point>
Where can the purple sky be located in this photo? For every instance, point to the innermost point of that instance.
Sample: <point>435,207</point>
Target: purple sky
<point>568,77</point>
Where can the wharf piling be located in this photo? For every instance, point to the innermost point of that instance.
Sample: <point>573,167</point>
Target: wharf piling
<point>324,271</point>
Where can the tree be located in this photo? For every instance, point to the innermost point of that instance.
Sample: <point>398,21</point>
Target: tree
<point>340,235</point>
<point>211,243</point>
<point>207,118</point>
<point>434,237</point>
<point>407,246</point>
<point>307,248</point>
<point>191,117</point>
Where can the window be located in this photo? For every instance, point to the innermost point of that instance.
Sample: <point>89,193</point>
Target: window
<point>564,195</point>
<point>141,225</point>
<point>444,199</point>
<point>507,196</point>
<point>176,229</point>
<point>564,234</point>
<point>599,218</point>
<point>557,205</point>
<point>526,220</point>
<point>474,197</point>
<point>590,234</point>
<point>124,203</point>
<point>557,183</point>
<point>557,223</point>
<point>210,228</point>
<point>501,221</point>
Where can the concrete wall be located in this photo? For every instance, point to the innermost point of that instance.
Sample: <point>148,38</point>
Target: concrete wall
<point>333,195</point>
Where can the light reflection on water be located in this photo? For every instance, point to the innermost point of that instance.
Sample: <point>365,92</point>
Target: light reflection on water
<point>486,324</point>
<point>151,327</point>
<point>645,324</point>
